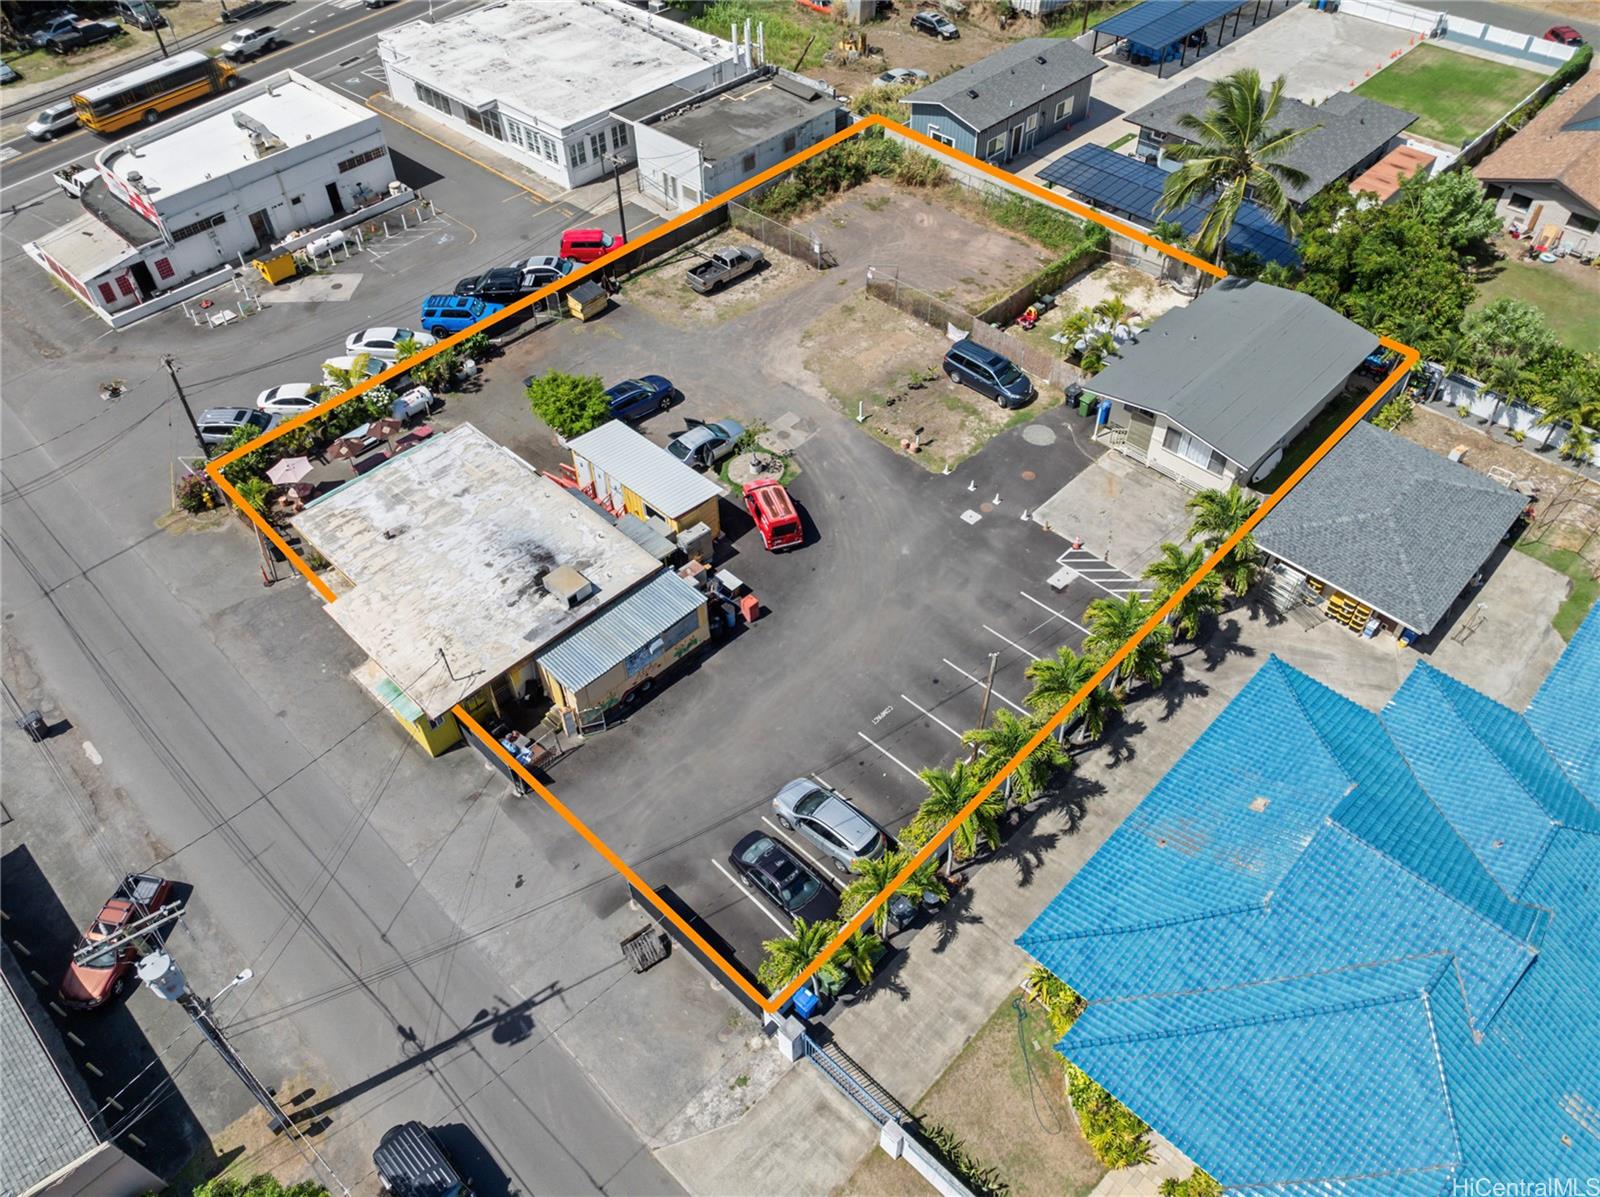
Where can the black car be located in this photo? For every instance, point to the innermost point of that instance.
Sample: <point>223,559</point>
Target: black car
<point>503,284</point>
<point>935,25</point>
<point>635,398</point>
<point>410,1163</point>
<point>769,868</point>
<point>538,272</point>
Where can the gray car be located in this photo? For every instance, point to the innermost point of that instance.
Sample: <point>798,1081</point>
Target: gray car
<point>703,445</point>
<point>812,810</point>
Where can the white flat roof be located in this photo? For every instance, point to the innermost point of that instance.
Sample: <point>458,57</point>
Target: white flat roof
<point>84,247</point>
<point>187,152</point>
<point>559,60</point>
<point>447,546</point>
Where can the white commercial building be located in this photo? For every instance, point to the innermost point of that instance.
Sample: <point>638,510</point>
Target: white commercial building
<point>234,178</point>
<point>539,81</point>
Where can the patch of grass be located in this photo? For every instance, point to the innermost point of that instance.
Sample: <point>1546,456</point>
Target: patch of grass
<point>1315,433</point>
<point>1572,309</point>
<point>1071,25</point>
<point>1455,96</point>
<point>1581,595</point>
<point>1121,141</point>
<point>788,28</point>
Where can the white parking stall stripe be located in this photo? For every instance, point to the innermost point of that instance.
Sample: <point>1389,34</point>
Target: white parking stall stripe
<point>790,840</point>
<point>740,886</point>
<point>979,680</point>
<point>889,754</point>
<point>932,716</point>
<point>1053,611</point>
<point>1011,642</point>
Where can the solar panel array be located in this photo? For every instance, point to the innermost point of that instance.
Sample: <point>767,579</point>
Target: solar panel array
<point>1120,184</point>
<point>1174,22</point>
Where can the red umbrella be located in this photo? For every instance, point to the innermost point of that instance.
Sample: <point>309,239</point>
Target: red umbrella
<point>343,449</point>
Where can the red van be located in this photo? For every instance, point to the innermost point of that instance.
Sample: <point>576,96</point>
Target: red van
<point>588,245</point>
<point>774,514</point>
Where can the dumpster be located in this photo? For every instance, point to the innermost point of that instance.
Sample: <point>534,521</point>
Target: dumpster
<point>587,300</point>
<point>276,270</point>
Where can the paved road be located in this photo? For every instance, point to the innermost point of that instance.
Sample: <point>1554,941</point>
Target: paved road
<point>1517,17</point>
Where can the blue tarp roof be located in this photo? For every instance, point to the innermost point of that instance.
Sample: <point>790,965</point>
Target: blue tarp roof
<point>1158,23</point>
<point>1125,185</point>
<point>1334,951</point>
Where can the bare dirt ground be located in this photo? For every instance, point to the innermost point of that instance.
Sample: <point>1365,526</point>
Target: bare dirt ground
<point>661,289</point>
<point>893,43</point>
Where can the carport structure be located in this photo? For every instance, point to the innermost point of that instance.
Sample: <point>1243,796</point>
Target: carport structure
<point>1157,31</point>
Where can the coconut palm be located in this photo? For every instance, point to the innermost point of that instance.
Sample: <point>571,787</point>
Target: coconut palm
<point>1506,378</point>
<point>354,376</point>
<point>1057,679</point>
<point>1234,150</point>
<point>1169,572</point>
<point>872,877</point>
<point>858,956</point>
<point>1114,310</point>
<point>1215,516</point>
<point>1114,622</point>
<point>949,790</point>
<point>786,958</point>
<point>1006,736</point>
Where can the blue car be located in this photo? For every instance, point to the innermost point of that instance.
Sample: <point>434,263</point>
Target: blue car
<point>446,314</point>
<point>636,398</point>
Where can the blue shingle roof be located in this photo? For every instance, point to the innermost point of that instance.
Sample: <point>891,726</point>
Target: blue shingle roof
<point>1337,953</point>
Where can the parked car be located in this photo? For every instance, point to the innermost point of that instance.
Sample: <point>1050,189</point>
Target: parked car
<point>77,34</point>
<point>502,285</point>
<point>1565,34</point>
<point>141,14</point>
<point>74,180</point>
<point>8,73</point>
<point>636,398</point>
<point>782,878</point>
<point>703,445</point>
<point>895,76</point>
<point>827,819</point>
<point>237,11</point>
<point>382,343</point>
<point>989,373</point>
<point>217,424</point>
<point>291,398</point>
<point>935,24</point>
<point>53,121</point>
<point>722,266</point>
<point>347,363</point>
<point>542,271</point>
<point>446,314</point>
<point>774,514</point>
<point>410,1163</point>
<point>247,43</point>
<point>94,981</point>
<point>588,245</point>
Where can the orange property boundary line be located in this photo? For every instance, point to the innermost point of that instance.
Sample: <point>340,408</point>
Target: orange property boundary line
<point>1408,359</point>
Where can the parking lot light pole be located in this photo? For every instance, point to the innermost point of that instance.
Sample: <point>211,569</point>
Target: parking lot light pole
<point>983,714</point>
<point>172,371</point>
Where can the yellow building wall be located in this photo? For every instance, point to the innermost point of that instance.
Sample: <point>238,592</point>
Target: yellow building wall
<point>708,513</point>
<point>608,689</point>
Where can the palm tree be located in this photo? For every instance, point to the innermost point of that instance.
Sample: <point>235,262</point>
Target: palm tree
<point>1114,622</point>
<point>1075,326</point>
<point>1003,739</point>
<point>354,376</point>
<point>788,957</point>
<point>949,790</point>
<point>1114,310</point>
<point>1056,679</point>
<point>858,956</point>
<point>1505,378</point>
<point>872,877</point>
<point>1171,570</point>
<point>1217,515</point>
<point>254,491</point>
<point>1234,151</point>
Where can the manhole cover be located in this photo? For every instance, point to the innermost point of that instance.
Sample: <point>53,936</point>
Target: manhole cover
<point>1039,434</point>
<point>985,507</point>
<point>1028,475</point>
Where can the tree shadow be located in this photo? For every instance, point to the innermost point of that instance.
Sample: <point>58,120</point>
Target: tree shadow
<point>1178,688</point>
<point>953,915</point>
<point>1119,741</point>
<point>1227,641</point>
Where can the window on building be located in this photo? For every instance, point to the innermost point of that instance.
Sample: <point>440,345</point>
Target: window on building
<point>108,293</point>
<point>1061,110</point>
<point>371,155</point>
<point>940,137</point>
<point>1193,449</point>
<point>164,268</point>
<point>1583,224</point>
<point>434,99</point>
<point>995,146</point>
<point>124,284</point>
<point>1519,202</point>
<point>485,120</point>
<point>548,148</point>
<point>597,145</point>
<point>199,226</point>
<point>1032,122</point>
<point>747,163</point>
<point>517,135</point>
<point>788,143</point>
<point>1494,191</point>
<point>619,136</point>
<point>576,154</point>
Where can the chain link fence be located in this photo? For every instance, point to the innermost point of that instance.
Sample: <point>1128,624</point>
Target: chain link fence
<point>797,243</point>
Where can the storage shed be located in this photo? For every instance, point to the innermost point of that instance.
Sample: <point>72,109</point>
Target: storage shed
<point>625,472</point>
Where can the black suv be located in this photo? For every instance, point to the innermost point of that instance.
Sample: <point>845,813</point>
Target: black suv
<point>503,284</point>
<point>410,1163</point>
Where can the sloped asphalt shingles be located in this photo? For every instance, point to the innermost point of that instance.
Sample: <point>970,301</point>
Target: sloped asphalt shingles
<point>1391,523</point>
<point>1009,80</point>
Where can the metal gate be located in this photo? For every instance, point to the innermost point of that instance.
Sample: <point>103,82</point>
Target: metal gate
<point>854,1081</point>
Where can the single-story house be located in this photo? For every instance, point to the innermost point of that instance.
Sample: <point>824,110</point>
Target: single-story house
<point>693,146</point>
<point>1384,529</point>
<point>1001,106</point>
<point>1334,951</point>
<point>1213,392</point>
<point>458,567</point>
<point>1546,177</point>
<point>1348,133</point>
<point>626,473</point>
<point>1383,178</point>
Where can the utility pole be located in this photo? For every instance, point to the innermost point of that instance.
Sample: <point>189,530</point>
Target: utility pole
<point>172,371</point>
<point>616,177</point>
<point>983,715</point>
<point>156,27</point>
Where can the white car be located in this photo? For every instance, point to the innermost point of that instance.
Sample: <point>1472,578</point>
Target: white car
<point>53,121</point>
<point>381,342</point>
<point>375,366</point>
<point>291,398</point>
<point>895,76</point>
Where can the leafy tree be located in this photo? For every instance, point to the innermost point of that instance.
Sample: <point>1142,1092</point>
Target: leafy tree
<point>787,957</point>
<point>872,877</point>
<point>1454,206</point>
<point>858,956</point>
<point>948,791</point>
<point>1003,739</point>
<point>1574,397</point>
<point>1217,515</point>
<point>1172,569</point>
<point>1114,622</point>
<point>260,1185</point>
<point>1234,150</point>
<point>572,404</point>
<point>1507,329</point>
<point>1056,679</point>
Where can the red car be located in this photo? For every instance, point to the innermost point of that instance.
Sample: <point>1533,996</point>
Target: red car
<point>774,514</point>
<point>93,982</point>
<point>588,245</point>
<point>1565,34</point>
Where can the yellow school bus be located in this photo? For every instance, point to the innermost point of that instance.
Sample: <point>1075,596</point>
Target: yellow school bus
<point>143,95</point>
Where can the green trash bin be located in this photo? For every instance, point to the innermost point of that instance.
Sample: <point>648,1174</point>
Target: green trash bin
<point>1086,404</point>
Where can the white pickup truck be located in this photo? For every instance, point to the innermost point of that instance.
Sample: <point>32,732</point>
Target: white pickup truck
<point>75,180</point>
<point>247,43</point>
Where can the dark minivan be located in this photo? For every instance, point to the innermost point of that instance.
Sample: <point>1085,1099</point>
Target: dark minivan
<point>989,373</point>
<point>411,1164</point>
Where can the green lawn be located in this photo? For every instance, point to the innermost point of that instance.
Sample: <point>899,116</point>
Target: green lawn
<point>1572,309</point>
<point>789,29</point>
<point>1072,24</point>
<point>1585,586</point>
<point>1455,95</point>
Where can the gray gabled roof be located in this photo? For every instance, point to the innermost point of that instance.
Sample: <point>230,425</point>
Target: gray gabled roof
<point>1351,128</point>
<point>1391,523</point>
<point>1009,80</point>
<point>1241,367</point>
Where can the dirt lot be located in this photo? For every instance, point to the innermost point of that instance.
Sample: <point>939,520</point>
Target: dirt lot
<point>1147,299</point>
<point>893,43</point>
<point>1005,1098</point>
<point>662,291</point>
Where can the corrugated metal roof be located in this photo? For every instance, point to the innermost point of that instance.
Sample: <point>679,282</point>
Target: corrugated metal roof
<point>612,637</point>
<point>646,469</point>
